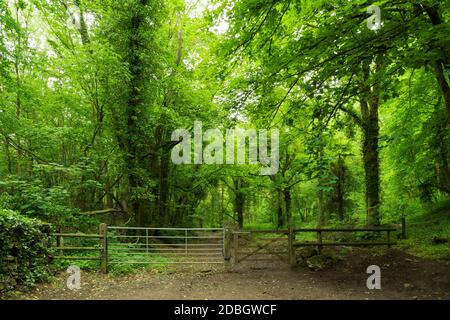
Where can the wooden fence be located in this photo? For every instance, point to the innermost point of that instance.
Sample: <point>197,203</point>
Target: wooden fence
<point>320,243</point>
<point>232,241</point>
<point>65,251</point>
<point>231,248</point>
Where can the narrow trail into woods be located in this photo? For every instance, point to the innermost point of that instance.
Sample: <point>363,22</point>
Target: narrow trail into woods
<point>403,277</point>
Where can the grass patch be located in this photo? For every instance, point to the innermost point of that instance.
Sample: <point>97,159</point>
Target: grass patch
<point>259,226</point>
<point>115,268</point>
<point>422,228</point>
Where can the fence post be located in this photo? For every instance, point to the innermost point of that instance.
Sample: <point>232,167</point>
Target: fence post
<point>403,227</point>
<point>47,230</point>
<point>291,250</point>
<point>103,232</point>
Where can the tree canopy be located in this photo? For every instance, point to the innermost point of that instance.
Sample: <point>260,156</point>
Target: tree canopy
<point>91,92</point>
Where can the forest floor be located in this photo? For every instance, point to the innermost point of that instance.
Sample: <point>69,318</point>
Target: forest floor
<point>402,277</point>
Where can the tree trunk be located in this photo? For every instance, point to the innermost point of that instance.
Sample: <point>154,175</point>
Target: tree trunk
<point>369,102</point>
<point>339,170</point>
<point>83,27</point>
<point>163,203</point>
<point>321,212</point>
<point>134,112</point>
<point>371,169</point>
<point>443,86</point>
<point>369,111</point>
<point>239,201</point>
<point>441,64</point>
<point>288,203</point>
<point>442,163</point>
<point>280,218</point>
<point>239,208</point>
<point>7,154</point>
<point>340,200</point>
<point>17,61</point>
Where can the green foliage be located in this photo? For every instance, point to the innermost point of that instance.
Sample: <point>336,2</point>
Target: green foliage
<point>24,253</point>
<point>90,94</point>
<point>34,200</point>
<point>50,204</point>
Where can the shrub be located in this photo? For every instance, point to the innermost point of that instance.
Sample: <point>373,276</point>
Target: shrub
<point>24,255</point>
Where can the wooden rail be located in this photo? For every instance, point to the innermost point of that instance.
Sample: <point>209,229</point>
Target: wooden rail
<point>76,235</point>
<point>320,243</point>
<point>353,244</point>
<point>343,229</point>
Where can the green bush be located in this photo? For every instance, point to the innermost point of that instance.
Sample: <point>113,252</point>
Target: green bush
<point>24,255</point>
<point>33,199</point>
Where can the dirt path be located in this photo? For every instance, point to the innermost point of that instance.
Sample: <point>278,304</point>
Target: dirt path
<point>403,277</point>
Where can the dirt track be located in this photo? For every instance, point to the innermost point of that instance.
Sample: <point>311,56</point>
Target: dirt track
<point>403,277</point>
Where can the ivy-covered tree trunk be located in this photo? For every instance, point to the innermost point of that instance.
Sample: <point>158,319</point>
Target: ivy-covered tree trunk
<point>134,104</point>
<point>369,103</point>
<point>371,162</point>
<point>135,142</point>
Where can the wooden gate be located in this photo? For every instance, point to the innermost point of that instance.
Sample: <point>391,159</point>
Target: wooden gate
<point>133,245</point>
<point>260,245</point>
<point>130,245</point>
<point>281,244</point>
